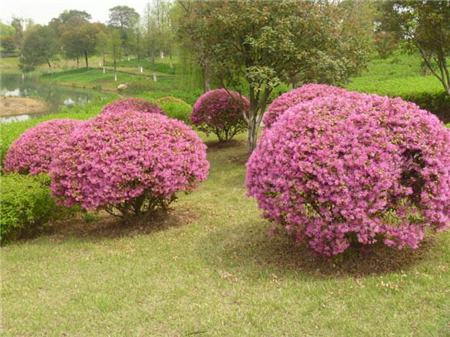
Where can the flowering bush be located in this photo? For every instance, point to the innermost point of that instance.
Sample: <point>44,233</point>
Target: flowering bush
<point>337,170</point>
<point>130,162</point>
<point>34,150</point>
<point>296,96</point>
<point>134,104</point>
<point>220,112</point>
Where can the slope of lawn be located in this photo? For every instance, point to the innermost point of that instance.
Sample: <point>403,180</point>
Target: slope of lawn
<point>210,269</point>
<point>397,75</point>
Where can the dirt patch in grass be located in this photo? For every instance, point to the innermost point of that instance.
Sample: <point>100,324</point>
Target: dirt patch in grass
<point>13,106</point>
<point>102,225</point>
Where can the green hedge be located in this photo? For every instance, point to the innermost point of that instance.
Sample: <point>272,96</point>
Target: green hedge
<point>437,103</point>
<point>25,204</point>
<point>175,108</point>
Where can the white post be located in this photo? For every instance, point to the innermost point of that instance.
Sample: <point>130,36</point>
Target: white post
<point>142,69</point>
<point>154,77</point>
<point>128,58</point>
<point>23,76</point>
<point>104,70</point>
<point>115,77</point>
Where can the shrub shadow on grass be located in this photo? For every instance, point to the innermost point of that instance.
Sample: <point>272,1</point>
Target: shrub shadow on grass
<point>255,251</point>
<point>105,226</point>
<point>215,145</point>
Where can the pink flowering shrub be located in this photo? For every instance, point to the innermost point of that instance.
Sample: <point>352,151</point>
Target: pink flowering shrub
<point>129,162</point>
<point>337,170</point>
<point>133,104</point>
<point>220,112</point>
<point>303,94</point>
<point>32,152</point>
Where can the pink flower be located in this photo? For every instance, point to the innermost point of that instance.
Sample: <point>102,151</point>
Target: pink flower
<point>221,112</point>
<point>126,161</point>
<point>353,167</point>
<point>34,150</point>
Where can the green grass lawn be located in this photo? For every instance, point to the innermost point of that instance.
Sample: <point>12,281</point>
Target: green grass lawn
<point>210,269</point>
<point>397,75</point>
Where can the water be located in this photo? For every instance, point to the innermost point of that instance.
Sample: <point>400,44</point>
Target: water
<point>55,96</point>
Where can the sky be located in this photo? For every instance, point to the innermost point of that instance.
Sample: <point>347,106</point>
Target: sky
<point>42,11</point>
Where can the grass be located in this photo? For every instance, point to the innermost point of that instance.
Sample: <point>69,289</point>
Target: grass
<point>210,269</point>
<point>397,75</point>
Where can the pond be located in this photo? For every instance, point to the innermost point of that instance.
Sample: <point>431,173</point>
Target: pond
<point>55,96</point>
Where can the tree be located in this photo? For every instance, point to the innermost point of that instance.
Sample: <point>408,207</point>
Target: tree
<point>39,46</point>
<point>125,19</point>
<point>425,26</point>
<point>8,44</point>
<point>7,41</point>
<point>258,44</point>
<point>80,41</point>
<point>17,24</point>
<point>74,14</point>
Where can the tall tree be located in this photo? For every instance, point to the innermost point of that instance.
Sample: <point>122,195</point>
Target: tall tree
<point>39,46</point>
<point>80,41</point>
<point>265,43</point>
<point>425,26</point>
<point>125,19</point>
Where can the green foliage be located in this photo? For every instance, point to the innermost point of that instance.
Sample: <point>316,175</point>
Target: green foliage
<point>26,204</point>
<point>175,108</point>
<point>437,103</point>
<point>39,47</point>
<point>266,43</point>
<point>425,27</point>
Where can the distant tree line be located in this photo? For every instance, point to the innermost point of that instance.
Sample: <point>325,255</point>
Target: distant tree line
<point>73,35</point>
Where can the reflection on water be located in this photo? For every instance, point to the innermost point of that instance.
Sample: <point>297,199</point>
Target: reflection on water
<point>54,96</point>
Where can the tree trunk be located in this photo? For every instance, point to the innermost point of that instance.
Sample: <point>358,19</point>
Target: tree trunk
<point>252,134</point>
<point>49,64</point>
<point>78,62</point>
<point>86,59</point>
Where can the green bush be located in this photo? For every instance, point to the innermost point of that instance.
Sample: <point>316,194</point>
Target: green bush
<point>437,103</point>
<point>175,108</point>
<point>25,204</point>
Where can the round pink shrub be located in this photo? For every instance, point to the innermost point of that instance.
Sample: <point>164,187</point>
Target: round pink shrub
<point>131,162</point>
<point>131,104</point>
<point>220,112</point>
<point>336,170</point>
<point>305,93</point>
<point>32,152</point>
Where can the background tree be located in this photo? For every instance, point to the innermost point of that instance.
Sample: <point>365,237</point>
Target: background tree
<point>125,19</point>
<point>7,41</point>
<point>80,40</point>
<point>425,26</point>
<point>258,44</point>
<point>39,47</point>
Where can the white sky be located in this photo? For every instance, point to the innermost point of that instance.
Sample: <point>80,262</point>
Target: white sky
<point>42,11</point>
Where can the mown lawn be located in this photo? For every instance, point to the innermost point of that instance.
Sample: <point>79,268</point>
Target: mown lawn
<point>210,269</point>
<point>397,75</point>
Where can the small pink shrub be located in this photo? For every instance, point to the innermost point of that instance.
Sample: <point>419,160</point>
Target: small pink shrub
<point>305,93</point>
<point>131,104</point>
<point>220,112</point>
<point>129,162</point>
<point>34,150</point>
<point>337,170</point>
